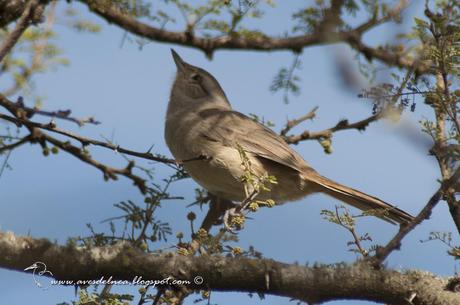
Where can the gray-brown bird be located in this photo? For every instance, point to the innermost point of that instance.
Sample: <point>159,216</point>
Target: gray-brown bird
<point>200,122</point>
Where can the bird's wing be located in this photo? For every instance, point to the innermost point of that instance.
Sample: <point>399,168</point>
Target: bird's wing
<point>231,128</point>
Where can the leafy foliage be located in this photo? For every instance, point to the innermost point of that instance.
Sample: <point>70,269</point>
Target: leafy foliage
<point>342,217</point>
<point>446,239</point>
<point>287,81</point>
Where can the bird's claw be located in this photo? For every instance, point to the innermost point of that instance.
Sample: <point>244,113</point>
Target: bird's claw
<point>227,219</point>
<point>234,217</point>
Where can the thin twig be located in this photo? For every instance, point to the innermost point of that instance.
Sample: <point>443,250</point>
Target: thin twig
<point>345,125</point>
<point>34,129</point>
<point>326,133</point>
<point>292,123</point>
<point>64,115</point>
<point>58,114</point>
<point>86,141</point>
<point>12,146</point>
<point>5,163</point>
<point>157,297</point>
<point>352,230</point>
<point>17,108</point>
<point>109,172</point>
<point>290,76</point>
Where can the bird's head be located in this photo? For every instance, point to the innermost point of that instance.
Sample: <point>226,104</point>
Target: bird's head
<point>196,84</point>
<point>32,267</point>
<point>36,266</point>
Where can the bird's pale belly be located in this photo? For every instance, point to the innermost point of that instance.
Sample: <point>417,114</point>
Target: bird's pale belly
<point>224,180</point>
<point>221,177</point>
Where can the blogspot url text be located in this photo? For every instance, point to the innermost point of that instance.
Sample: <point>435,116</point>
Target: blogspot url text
<point>137,280</point>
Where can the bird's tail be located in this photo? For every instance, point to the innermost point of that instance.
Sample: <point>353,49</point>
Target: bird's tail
<point>359,199</point>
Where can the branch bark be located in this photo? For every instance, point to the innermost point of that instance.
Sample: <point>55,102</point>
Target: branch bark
<point>36,135</point>
<point>310,284</point>
<point>27,17</point>
<point>327,133</point>
<point>16,144</point>
<point>112,14</point>
<point>24,112</point>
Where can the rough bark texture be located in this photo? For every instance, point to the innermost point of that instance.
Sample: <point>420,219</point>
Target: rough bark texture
<point>311,284</point>
<point>11,10</point>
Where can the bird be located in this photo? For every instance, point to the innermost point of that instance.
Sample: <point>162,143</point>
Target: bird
<point>202,128</point>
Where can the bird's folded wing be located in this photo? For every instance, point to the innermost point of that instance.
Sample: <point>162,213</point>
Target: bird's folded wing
<point>232,128</point>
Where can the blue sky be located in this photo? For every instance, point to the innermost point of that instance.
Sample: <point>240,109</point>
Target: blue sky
<point>127,89</point>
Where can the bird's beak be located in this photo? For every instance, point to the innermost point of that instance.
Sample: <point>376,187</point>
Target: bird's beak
<point>180,64</point>
<point>34,266</point>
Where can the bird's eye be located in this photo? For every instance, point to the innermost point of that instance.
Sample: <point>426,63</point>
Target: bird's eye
<point>196,77</point>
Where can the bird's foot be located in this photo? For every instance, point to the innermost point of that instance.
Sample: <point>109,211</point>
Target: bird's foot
<point>234,220</point>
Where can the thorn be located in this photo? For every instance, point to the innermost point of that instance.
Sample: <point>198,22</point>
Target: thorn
<point>150,149</point>
<point>52,124</point>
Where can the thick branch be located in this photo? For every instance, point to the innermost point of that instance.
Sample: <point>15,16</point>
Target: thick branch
<point>24,21</point>
<point>310,284</point>
<point>37,50</point>
<point>11,10</point>
<point>112,14</point>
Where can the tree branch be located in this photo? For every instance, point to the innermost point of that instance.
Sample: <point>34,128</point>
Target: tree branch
<point>15,144</point>
<point>326,133</point>
<point>109,172</point>
<point>16,108</point>
<point>10,11</point>
<point>425,213</point>
<point>24,21</point>
<point>37,135</point>
<point>59,114</point>
<point>344,124</point>
<point>112,14</point>
<point>310,284</point>
<point>37,55</point>
<point>86,141</point>
<point>293,123</point>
